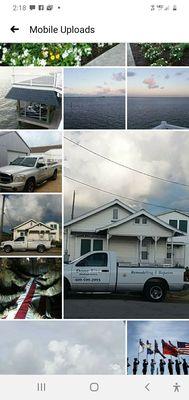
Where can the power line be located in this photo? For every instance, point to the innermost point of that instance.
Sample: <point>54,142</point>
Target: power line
<point>126,166</point>
<point>121,196</point>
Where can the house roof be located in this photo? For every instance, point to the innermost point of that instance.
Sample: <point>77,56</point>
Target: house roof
<point>138,214</point>
<point>5,133</point>
<point>43,149</point>
<point>99,209</point>
<point>39,224</point>
<point>48,97</point>
<point>23,223</point>
<point>171,211</point>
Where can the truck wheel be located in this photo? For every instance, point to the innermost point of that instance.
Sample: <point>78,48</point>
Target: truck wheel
<point>41,248</point>
<point>54,176</point>
<point>155,291</point>
<point>7,249</point>
<point>66,288</point>
<point>30,185</point>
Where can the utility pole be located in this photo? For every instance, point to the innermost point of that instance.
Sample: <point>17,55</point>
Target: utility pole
<point>73,205</point>
<point>2,218</point>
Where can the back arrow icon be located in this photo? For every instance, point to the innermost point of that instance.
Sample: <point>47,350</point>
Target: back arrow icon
<point>146,387</point>
<point>14,29</point>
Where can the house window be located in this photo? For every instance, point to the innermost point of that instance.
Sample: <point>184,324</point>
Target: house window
<point>22,233</point>
<point>115,213</point>
<point>173,222</point>
<point>144,255</point>
<point>97,244</point>
<point>85,246</point>
<point>183,225</point>
<point>53,226</point>
<point>144,220</point>
<point>137,220</point>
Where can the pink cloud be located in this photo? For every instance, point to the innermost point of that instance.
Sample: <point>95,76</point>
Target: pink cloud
<point>151,82</point>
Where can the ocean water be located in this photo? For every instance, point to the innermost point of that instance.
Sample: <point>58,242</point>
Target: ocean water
<point>94,112</point>
<point>148,112</point>
<point>8,119</point>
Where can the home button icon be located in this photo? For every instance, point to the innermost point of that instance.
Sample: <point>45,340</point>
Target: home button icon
<point>94,387</point>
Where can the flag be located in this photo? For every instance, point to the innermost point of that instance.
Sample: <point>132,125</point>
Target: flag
<point>156,349</point>
<point>141,346</point>
<point>183,348</point>
<point>169,348</point>
<point>149,347</point>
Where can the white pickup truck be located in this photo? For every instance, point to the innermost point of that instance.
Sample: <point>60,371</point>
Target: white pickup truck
<point>22,244</point>
<point>100,271</point>
<point>25,173</point>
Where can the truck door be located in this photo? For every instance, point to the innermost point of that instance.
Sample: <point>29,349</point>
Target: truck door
<point>91,273</point>
<point>20,243</point>
<point>42,170</point>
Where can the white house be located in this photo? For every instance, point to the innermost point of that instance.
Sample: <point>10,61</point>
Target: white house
<point>35,230</point>
<point>180,221</point>
<point>11,146</point>
<point>137,237</point>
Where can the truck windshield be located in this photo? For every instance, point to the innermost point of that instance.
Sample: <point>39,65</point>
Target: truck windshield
<point>17,161</point>
<point>25,162</point>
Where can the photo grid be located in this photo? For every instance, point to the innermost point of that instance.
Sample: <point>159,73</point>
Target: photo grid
<point>94,215</point>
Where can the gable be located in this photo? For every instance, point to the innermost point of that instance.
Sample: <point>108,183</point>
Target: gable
<point>26,225</point>
<point>101,218</point>
<point>40,226</point>
<point>151,228</point>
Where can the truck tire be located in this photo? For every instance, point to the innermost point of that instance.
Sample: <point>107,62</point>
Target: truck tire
<point>41,248</point>
<point>54,176</point>
<point>7,249</point>
<point>155,291</point>
<point>30,185</point>
<point>66,288</point>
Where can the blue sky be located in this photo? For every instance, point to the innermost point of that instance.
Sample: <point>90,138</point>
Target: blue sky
<point>67,347</point>
<point>151,330</point>
<point>155,82</point>
<point>94,81</point>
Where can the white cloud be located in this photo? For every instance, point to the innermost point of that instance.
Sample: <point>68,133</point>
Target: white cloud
<point>158,153</point>
<point>73,348</point>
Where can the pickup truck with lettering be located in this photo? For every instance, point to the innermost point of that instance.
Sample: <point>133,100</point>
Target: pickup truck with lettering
<point>25,173</point>
<point>101,271</point>
<point>23,244</point>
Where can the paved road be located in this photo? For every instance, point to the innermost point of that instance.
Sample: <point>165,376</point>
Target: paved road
<point>122,307</point>
<point>51,252</point>
<point>51,186</point>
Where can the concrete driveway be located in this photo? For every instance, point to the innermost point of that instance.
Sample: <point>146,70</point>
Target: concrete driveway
<point>103,306</point>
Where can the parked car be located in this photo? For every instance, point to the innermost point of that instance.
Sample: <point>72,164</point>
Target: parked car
<point>25,173</point>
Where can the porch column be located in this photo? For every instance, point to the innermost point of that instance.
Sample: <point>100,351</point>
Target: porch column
<point>108,236</point>
<point>156,238</point>
<point>140,238</point>
<point>172,260</point>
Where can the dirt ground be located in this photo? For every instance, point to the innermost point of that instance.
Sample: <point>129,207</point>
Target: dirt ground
<point>51,186</point>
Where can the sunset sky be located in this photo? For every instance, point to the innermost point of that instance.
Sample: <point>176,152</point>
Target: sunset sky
<point>94,82</point>
<point>154,82</point>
